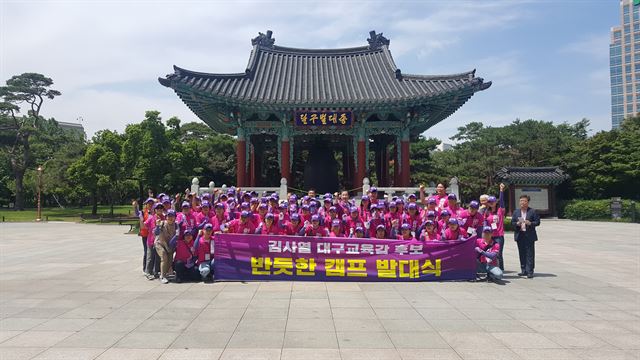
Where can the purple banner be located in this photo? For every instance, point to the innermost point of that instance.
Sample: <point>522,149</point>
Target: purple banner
<point>263,257</point>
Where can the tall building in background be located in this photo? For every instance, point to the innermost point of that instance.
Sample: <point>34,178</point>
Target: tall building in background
<point>624,63</point>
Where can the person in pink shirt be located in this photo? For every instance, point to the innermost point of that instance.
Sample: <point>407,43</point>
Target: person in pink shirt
<point>487,250</point>
<point>243,225</point>
<point>358,233</point>
<point>186,218</point>
<point>354,220</point>
<point>430,232</point>
<point>393,216</point>
<point>294,226</point>
<point>331,215</point>
<point>315,229</point>
<point>453,231</point>
<point>336,229</point>
<point>365,208</point>
<point>401,208</point>
<point>305,214</point>
<point>152,269</point>
<point>205,214</point>
<point>381,232</point>
<point>413,216</point>
<point>373,195</point>
<point>206,249</point>
<point>218,217</point>
<point>452,206</point>
<point>471,219</point>
<point>376,219</point>
<point>494,217</point>
<point>269,226</point>
<point>445,215</point>
<point>405,233</point>
<point>433,216</point>
<point>441,196</point>
<point>184,261</point>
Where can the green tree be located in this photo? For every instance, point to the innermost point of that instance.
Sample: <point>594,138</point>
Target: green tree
<point>30,89</point>
<point>100,169</point>
<point>608,163</point>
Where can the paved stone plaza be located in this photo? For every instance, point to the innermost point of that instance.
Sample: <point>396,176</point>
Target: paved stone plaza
<point>72,291</point>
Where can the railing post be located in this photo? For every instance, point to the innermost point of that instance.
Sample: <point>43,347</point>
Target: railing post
<point>283,189</point>
<point>453,187</point>
<point>195,185</point>
<point>365,185</point>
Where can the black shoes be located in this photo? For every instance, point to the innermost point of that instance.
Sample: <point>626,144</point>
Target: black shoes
<point>522,273</point>
<point>530,276</point>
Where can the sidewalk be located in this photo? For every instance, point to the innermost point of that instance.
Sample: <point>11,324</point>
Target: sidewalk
<point>73,291</point>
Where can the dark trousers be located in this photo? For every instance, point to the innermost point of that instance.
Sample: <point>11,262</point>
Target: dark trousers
<point>527,252</point>
<point>184,273</point>
<point>500,240</point>
<point>144,254</point>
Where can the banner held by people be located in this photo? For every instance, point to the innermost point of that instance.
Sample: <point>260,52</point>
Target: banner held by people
<point>251,257</point>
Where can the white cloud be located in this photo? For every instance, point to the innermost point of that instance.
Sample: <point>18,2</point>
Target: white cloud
<point>594,46</point>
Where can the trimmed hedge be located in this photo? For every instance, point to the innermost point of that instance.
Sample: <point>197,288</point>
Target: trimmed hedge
<point>597,210</point>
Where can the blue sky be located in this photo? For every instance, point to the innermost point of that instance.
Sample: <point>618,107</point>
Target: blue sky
<point>548,60</point>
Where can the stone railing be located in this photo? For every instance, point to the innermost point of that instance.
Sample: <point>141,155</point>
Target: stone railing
<point>282,190</point>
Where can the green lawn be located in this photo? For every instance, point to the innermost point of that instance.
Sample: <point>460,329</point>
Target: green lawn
<point>67,214</point>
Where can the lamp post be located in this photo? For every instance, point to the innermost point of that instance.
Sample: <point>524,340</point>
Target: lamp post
<point>39,217</point>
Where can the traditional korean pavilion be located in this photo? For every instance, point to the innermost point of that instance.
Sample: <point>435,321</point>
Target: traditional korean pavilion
<point>323,101</point>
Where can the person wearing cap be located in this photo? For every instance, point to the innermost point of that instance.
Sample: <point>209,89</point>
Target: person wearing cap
<point>167,232</point>
<point>429,216</point>
<point>184,261</point>
<point>432,205</point>
<point>219,217</point>
<point>376,219</point>
<point>205,250</point>
<point>380,232</point>
<point>405,233</point>
<point>494,217</point>
<point>332,214</point>
<point>393,217</point>
<point>429,231</point>
<point>524,223</point>
<point>412,198</point>
<point>471,220</point>
<point>453,231</point>
<point>452,205</point>
<point>204,216</point>
<point>262,212</point>
<point>152,268</point>
<point>186,218</point>
<point>443,223</point>
<point>365,208</point>
<point>487,250</point>
<point>358,233</point>
<point>242,225</point>
<point>305,214</point>
<point>294,226</point>
<point>413,216</point>
<point>336,229</point>
<point>315,229</point>
<point>167,204</point>
<point>373,195</point>
<point>353,220</point>
<point>143,215</point>
<point>269,226</point>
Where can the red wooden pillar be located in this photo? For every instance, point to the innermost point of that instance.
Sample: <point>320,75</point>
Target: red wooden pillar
<point>252,166</point>
<point>404,155</point>
<point>396,166</point>
<point>361,165</point>
<point>285,160</point>
<point>241,148</point>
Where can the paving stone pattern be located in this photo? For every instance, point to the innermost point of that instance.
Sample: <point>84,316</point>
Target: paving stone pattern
<point>73,291</point>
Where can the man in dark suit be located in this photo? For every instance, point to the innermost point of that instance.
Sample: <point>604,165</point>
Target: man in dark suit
<point>524,223</point>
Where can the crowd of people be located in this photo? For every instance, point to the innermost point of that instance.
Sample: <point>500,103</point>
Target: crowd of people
<point>177,233</point>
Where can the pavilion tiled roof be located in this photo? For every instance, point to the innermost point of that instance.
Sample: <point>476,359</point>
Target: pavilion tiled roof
<point>532,175</point>
<point>284,78</point>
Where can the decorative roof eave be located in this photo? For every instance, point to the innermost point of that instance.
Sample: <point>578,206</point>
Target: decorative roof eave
<point>182,89</point>
<point>532,175</point>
